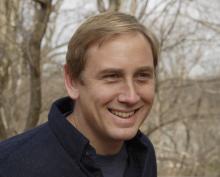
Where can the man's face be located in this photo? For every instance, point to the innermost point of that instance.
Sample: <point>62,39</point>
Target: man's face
<point>117,90</point>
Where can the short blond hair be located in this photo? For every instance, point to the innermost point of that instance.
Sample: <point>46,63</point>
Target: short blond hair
<point>98,29</point>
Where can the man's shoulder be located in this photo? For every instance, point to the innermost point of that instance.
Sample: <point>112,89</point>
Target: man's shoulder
<point>37,152</point>
<point>18,144</point>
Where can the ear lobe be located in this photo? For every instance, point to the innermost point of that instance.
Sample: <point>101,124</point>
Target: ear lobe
<point>70,84</point>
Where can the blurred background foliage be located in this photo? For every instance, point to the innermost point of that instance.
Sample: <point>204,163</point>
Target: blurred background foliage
<point>185,120</point>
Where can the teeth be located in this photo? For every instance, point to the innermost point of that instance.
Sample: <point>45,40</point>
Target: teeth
<point>122,114</point>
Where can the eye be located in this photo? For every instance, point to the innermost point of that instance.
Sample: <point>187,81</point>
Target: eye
<point>111,77</point>
<point>144,76</point>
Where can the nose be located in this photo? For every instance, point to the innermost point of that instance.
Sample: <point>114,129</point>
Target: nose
<point>129,94</point>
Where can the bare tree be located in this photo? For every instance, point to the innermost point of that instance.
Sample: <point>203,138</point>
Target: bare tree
<point>8,19</point>
<point>112,5</point>
<point>21,40</point>
<point>32,53</point>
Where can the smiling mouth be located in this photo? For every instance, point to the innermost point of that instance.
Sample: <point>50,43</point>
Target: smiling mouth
<point>123,115</point>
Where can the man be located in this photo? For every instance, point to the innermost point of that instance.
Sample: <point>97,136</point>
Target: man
<point>110,80</point>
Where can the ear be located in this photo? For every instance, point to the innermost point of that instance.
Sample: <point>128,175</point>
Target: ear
<point>70,84</point>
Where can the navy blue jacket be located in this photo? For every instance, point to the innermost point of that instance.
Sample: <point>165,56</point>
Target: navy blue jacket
<point>57,149</point>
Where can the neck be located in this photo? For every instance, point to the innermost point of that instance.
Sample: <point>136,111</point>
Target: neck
<point>102,145</point>
<point>107,148</point>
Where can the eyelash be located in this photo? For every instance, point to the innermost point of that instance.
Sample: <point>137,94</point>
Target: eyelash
<point>144,76</point>
<point>112,75</point>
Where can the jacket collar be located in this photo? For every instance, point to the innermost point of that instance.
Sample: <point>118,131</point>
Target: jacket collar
<point>68,136</point>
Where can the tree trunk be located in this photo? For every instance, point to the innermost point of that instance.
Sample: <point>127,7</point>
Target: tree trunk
<point>3,132</point>
<point>33,55</point>
<point>114,5</point>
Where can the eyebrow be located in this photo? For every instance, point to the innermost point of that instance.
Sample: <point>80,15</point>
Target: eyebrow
<point>120,71</point>
<point>146,69</point>
<point>110,70</point>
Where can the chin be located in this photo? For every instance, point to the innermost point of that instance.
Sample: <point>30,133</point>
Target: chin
<point>124,135</point>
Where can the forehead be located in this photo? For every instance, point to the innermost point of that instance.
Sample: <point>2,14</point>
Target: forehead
<point>125,48</point>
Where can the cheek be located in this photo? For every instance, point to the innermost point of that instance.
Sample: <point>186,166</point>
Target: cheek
<point>100,94</point>
<point>106,95</point>
<point>148,94</point>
